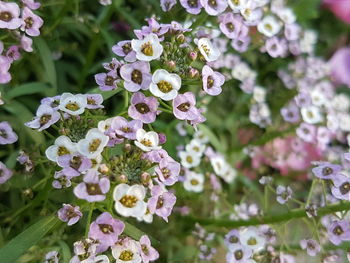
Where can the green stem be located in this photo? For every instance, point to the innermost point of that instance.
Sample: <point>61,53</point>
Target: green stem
<point>270,219</point>
<point>88,222</point>
<point>165,110</point>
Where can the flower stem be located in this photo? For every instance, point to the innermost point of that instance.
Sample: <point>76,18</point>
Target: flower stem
<point>88,222</point>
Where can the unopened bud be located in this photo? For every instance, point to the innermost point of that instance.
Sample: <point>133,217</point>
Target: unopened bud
<point>193,73</point>
<point>162,138</point>
<point>170,64</point>
<point>192,55</point>
<point>122,178</point>
<point>145,178</point>
<point>180,39</point>
<point>103,169</point>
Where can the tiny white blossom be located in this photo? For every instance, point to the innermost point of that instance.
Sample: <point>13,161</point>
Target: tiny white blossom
<point>195,147</point>
<point>252,238</point>
<point>269,26</point>
<point>127,252</point>
<point>63,146</point>
<point>189,159</point>
<point>73,104</point>
<point>147,141</point>
<point>148,48</point>
<point>286,15</point>
<point>194,182</point>
<point>208,50</point>
<point>93,144</point>
<point>311,114</point>
<point>165,85</point>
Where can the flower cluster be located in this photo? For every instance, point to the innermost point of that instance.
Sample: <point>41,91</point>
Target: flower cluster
<point>268,24</point>
<point>21,24</point>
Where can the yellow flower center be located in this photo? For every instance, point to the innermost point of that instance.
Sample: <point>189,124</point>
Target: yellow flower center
<point>164,86</point>
<point>73,106</point>
<point>147,49</point>
<point>128,201</point>
<point>194,182</point>
<point>62,151</point>
<point>94,144</point>
<point>126,255</point>
<point>146,142</point>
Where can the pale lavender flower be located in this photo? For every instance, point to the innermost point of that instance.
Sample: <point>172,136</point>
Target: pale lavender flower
<point>52,257</point>
<point>238,254</point>
<point>45,117</point>
<point>311,246</point>
<point>9,15</point>
<point>124,49</point>
<point>283,194</point>
<point>206,253</point>
<point>232,26</point>
<point>26,43</point>
<point>32,22</point>
<point>107,81</point>
<point>136,76</point>
<point>339,65</point>
<point>156,156</point>
<point>200,118</point>
<point>143,108</point>
<point>166,5</point>
<point>31,4</point>
<point>7,135</point>
<point>70,214</point>
<point>168,171</point>
<point>338,231</point>
<point>114,65</point>
<point>214,7</point>
<point>212,81</point>
<point>106,230</point>
<point>5,173</point>
<point>311,210</point>
<point>13,53</point>
<point>292,32</point>
<point>161,202</point>
<point>241,44</point>
<point>94,101</point>
<point>153,27</point>
<point>93,189</point>
<point>84,249</point>
<point>327,171</point>
<point>53,102</point>
<point>290,113</point>
<point>148,253</point>
<point>62,180</point>
<point>192,6</point>
<point>74,165</point>
<point>341,188</point>
<point>232,238</point>
<point>124,128</point>
<point>5,64</point>
<point>184,107</point>
<point>306,132</point>
<point>276,47</point>
<point>24,159</point>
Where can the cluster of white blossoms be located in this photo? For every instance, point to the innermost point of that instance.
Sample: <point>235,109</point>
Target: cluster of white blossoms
<point>192,157</point>
<point>259,110</point>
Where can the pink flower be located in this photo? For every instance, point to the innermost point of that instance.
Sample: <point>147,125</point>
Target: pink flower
<point>341,8</point>
<point>340,65</point>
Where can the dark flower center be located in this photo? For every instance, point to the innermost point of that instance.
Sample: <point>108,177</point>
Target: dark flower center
<point>192,3</point>
<point>29,22</point>
<point>105,228</point>
<point>327,171</point>
<point>145,249</point>
<point>136,76</point>
<point>338,230</point>
<point>230,27</point>
<point>238,254</point>
<point>344,188</point>
<point>166,172</point>
<point>94,144</point>
<point>45,119</point>
<point>184,107</point>
<point>142,108</point>
<point>126,48</point>
<point>3,133</point>
<point>93,189</point>
<point>6,16</point>
<point>75,162</point>
<point>233,239</point>
<point>160,202</point>
<point>91,101</point>
<point>210,82</point>
<point>109,81</point>
<point>213,3</point>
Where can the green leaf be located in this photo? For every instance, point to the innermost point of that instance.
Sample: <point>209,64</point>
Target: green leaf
<point>29,237</point>
<point>28,88</point>
<point>306,10</point>
<point>49,65</point>
<point>65,251</point>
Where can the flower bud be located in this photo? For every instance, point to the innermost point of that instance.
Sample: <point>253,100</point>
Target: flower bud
<point>193,73</point>
<point>162,138</point>
<point>180,39</point>
<point>170,64</point>
<point>192,55</point>
<point>103,169</point>
<point>145,178</point>
<point>122,178</point>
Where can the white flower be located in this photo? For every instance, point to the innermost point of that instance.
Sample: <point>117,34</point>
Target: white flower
<point>308,41</point>
<point>164,84</point>
<point>147,141</point>
<point>269,26</point>
<point>63,145</point>
<point>129,200</point>
<point>318,98</point>
<point>100,259</point>
<point>93,144</point>
<point>250,237</point>
<point>229,175</point>
<point>189,159</point>
<point>96,161</point>
<point>259,94</point>
<point>1,101</point>
<point>73,104</point>
<point>148,48</point>
<point>147,217</point>
<point>195,147</point>
<point>286,15</point>
<point>194,182</point>
<point>242,71</point>
<point>341,102</point>
<point>252,16</point>
<point>208,50</point>
<point>199,136</point>
<point>238,5</point>
<point>127,252</point>
<point>311,114</point>
<point>104,125</point>
<point>344,122</point>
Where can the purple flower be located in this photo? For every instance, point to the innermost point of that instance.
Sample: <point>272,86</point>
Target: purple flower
<point>31,4</point>
<point>5,64</point>
<point>292,32</point>
<point>13,53</point>
<point>24,159</point>
<point>148,253</point>
<point>7,135</point>
<point>306,132</point>
<point>123,49</point>
<point>339,231</point>
<point>124,128</point>
<point>326,170</point>
<point>311,246</point>
<point>51,257</point>
<point>200,118</point>
<point>70,214</point>
<point>153,27</point>
<point>161,202</point>
<point>9,15</point>
<point>74,165</point>
<point>290,113</point>
<point>184,107</point>
<point>192,6</point>
<point>94,101</point>
<point>143,108</point>
<point>62,179</point>
<point>114,65</point>
<point>276,47</point>
<point>107,81</point>
<point>339,65</point>
<point>341,188</point>
<point>166,5</point>
<point>212,81</point>
<point>157,156</point>
<point>93,189</point>
<point>168,171</point>
<point>241,44</point>
<point>53,102</point>
<point>106,230</point>
<point>32,22</point>
<point>238,254</point>
<point>232,238</point>
<point>5,173</point>
<point>136,76</point>
<point>283,194</point>
<point>232,26</point>
<point>214,7</point>
<point>26,43</point>
<point>45,117</point>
